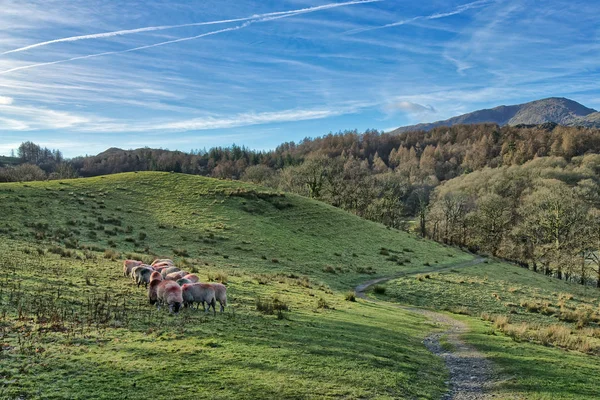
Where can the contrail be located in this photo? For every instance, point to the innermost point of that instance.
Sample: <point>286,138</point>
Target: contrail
<point>458,10</point>
<point>165,27</point>
<point>107,53</point>
<point>269,17</point>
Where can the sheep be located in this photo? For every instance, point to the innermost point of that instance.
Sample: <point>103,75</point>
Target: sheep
<point>174,276</point>
<point>199,293</point>
<point>156,276</point>
<point>162,261</point>
<point>142,275</point>
<point>168,270</point>
<point>220,294</point>
<point>165,265</point>
<point>153,291</point>
<point>193,278</point>
<point>183,281</point>
<point>159,269</point>
<point>171,295</point>
<point>128,265</point>
<point>133,272</point>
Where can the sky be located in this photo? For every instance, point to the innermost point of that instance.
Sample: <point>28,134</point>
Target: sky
<point>86,75</point>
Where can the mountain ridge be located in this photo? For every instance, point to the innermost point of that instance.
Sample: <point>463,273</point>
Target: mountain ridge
<point>559,110</point>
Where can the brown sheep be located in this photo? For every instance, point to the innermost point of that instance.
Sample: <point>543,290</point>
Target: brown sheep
<point>156,277</point>
<point>168,270</point>
<point>220,294</point>
<point>128,265</point>
<point>162,261</point>
<point>153,291</point>
<point>171,296</point>
<point>199,293</point>
<point>174,276</point>
<point>193,278</point>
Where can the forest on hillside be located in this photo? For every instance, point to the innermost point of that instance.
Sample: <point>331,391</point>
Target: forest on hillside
<point>529,194</point>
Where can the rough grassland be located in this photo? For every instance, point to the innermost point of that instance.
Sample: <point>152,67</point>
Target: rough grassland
<point>71,326</point>
<point>531,307</point>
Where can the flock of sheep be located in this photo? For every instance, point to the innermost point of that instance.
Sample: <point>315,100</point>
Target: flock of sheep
<point>168,285</point>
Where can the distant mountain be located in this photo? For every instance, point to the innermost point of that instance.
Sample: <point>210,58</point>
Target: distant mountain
<point>554,109</point>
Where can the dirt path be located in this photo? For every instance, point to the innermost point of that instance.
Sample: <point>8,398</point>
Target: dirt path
<point>470,372</point>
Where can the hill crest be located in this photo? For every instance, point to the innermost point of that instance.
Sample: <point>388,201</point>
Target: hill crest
<point>558,110</point>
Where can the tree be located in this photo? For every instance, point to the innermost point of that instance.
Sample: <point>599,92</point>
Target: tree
<point>553,217</point>
<point>492,221</point>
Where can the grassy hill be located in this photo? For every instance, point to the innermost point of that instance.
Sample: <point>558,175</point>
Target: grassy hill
<point>71,326</point>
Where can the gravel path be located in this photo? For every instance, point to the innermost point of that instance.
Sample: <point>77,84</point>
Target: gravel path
<point>470,372</point>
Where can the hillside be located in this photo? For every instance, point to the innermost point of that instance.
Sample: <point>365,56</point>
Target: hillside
<point>70,312</point>
<point>67,311</point>
<point>557,110</point>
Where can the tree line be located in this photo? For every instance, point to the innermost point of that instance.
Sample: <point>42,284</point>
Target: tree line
<point>479,186</point>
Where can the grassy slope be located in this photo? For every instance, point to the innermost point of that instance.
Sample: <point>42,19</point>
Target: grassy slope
<point>75,320</point>
<point>533,371</point>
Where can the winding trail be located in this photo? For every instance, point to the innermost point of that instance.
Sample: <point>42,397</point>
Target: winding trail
<point>471,375</point>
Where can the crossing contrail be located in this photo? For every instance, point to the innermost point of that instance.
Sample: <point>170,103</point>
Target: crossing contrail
<point>257,19</point>
<point>165,27</point>
<point>457,10</point>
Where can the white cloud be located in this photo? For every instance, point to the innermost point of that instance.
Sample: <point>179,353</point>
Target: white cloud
<point>410,107</point>
<point>4,100</point>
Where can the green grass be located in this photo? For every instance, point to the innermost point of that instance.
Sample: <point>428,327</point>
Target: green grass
<point>71,326</point>
<point>528,368</point>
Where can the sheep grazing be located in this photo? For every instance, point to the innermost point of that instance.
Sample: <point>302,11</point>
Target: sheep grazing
<point>183,281</point>
<point>168,270</point>
<point>199,293</point>
<point>162,260</point>
<point>153,291</point>
<point>220,294</point>
<point>192,278</point>
<point>156,276</point>
<point>142,275</point>
<point>174,276</point>
<point>128,265</point>
<point>170,294</point>
<point>158,269</point>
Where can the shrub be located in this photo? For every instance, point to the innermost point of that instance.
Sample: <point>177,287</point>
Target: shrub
<point>379,289</point>
<point>501,321</point>
<point>218,277</point>
<point>274,260</point>
<point>142,236</point>
<point>181,252</point>
<point>350,296</point>
<point>110,254</point>
<point>322,303</point>
<point>329,269</point>
<point>270,306</point>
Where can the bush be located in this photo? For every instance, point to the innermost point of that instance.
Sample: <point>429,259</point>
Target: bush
<point>181,252</point>
<point>379,289</point>
<point>350,296</point>
<point>322,303</point>
<point>329,269</point>
<point>218,277</point>
<point>110,254</point>
<point>270,306</point>
<point>142,236</point>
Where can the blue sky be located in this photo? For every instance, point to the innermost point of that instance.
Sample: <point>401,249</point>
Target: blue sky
<point>118,74</point>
